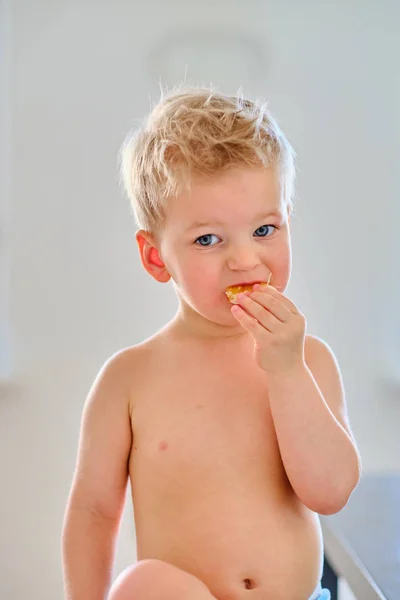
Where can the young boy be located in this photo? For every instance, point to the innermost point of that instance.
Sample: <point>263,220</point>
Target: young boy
<point>230,422</point>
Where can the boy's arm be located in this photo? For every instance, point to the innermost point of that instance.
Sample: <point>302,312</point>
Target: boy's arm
<point>317,447</point>
<point>97,495</point>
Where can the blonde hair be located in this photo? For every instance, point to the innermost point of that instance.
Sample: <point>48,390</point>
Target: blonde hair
<point>196,131</point>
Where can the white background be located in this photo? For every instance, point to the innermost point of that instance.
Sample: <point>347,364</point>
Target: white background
<point>82,73</point>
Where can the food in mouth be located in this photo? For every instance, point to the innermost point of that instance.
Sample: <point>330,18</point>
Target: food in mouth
<point>232,291</point>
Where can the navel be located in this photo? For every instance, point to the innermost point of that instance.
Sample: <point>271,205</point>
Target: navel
<point>248,584</point>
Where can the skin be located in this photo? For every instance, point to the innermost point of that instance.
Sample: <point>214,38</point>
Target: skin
<point>233,438</point>
<point>242,249</point>
<point>243,502</point>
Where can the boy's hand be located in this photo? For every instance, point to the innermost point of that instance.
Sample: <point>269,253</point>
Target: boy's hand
<point>276,324</point>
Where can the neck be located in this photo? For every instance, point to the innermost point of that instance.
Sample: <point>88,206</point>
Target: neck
<point>191,325</point>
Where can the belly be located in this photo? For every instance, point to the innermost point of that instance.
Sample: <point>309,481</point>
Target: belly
<point>209,490</point>
<point>237,542</point>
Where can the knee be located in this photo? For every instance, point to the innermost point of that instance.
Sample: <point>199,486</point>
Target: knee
<point>148,577</point>
<point>145,571</point>
<point>134,579</point>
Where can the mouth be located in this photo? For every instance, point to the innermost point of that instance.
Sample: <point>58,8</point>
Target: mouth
<point>245,286</point>
<point>233,290</point>
<point>250,283</point>
<point>245,283</point>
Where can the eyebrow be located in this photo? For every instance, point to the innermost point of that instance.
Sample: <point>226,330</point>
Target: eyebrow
<point>198,224</point>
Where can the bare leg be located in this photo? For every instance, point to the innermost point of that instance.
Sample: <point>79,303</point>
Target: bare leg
<point>153,579</point>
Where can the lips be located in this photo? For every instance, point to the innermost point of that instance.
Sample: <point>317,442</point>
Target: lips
<point>246,286</point>
<point>245,283</point>
<point>233,290</point>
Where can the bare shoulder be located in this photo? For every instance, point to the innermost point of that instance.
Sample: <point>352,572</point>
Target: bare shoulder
<point>315,348</point>
<point>124,366</point>
<point>323,364</point>
<point>120,367</point>
<point>131,367</point>
<point>132,358</point>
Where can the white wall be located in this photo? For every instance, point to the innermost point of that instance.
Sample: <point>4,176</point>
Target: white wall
<point>82,71</point>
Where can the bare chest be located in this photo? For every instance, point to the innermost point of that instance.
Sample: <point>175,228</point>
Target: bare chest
<point>203,417</point>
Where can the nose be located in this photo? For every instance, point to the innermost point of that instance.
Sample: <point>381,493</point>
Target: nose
<point>243,258</point>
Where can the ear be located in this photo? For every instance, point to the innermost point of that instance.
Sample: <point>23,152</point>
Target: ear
<point>150,256</point>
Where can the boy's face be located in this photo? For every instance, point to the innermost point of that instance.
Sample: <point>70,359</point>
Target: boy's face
<point>244,238</point>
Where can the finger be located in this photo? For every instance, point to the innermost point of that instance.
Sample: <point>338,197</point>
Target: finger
<point>259,312</point>
<point>273,305</point>
<point>249,323</point>
<point>269,289</point>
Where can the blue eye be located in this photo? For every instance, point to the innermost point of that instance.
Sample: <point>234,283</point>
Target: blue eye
<point>205,238</point>
<point>265,227</point>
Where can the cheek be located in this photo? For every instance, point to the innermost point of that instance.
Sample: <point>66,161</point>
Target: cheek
<point>283,259</point>
<point>281,267</point>
<point>204,276</point>
<point>201,278</point>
